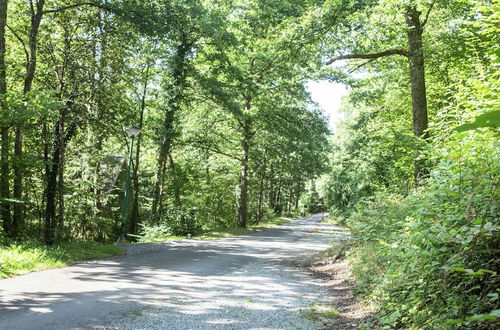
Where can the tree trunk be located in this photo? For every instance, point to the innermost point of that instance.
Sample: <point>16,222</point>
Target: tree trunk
<point>60,183</point>
<point>162,164</point>
<point>261,192</point>
<point>417,78</point>
<point>18,178</point>
<point>54,188</point>
<point>271,189</point>
<point>176,88</point>
<point>297,195</point>
<point>177,192</point>
<point>278,208</point>
<point>135,219</point>
<point>289,202</point>
<point>36,19</point>
<point>51,189</point>
<point>4,183</point>
<point>242,211</point>
<point>4,153</point>
<point>417,72</point>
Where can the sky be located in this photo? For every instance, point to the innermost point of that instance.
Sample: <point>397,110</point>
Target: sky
<point>329,97</point>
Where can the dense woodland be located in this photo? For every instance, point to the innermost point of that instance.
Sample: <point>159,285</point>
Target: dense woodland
<point>230,135</point>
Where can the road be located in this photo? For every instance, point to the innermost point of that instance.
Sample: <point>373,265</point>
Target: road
<point>179,274</point>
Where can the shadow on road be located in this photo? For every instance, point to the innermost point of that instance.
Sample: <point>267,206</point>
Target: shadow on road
<point>192,278</point>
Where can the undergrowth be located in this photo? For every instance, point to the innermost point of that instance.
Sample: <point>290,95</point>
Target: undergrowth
<point>164,232</point>
<point>429,260</point>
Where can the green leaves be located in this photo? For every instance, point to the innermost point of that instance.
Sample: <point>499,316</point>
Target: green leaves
<point>471,272</point>
<point>491,316</point>
<point>490,119</point>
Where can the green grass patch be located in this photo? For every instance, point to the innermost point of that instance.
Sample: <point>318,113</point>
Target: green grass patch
<point>18,259</point>
<point>235,231</point>
<point>321,312</point>
<point>23,258</point>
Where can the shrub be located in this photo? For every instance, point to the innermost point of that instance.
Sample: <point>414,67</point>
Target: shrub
<point>175,222</point>
<point>182,223</point>
<point>430,259</point>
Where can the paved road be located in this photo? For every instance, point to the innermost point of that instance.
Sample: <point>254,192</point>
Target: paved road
<point>98,293</point>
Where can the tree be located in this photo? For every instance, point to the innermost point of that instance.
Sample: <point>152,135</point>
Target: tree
<point>254,73</point>
<point>174,89</point>
<point>4,127</point>
<point>146,80</point>
<point>414,52</point>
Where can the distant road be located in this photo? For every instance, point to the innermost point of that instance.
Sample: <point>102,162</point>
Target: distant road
<point>177,275</point>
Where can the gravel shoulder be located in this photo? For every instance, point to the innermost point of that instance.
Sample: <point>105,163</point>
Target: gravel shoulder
<point>258,296</point>
<point>268,292</point>
<point>334,270</point>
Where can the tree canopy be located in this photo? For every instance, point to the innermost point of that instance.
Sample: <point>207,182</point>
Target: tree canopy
<point>229,135</point>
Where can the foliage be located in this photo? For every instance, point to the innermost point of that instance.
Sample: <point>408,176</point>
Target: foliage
<point>426,252</point>
<point>181,223</point>
<point>488,119</point>
<point>430,256</point>
<point>196,82</point>
<point>162,232</point>
<point>313,203</point>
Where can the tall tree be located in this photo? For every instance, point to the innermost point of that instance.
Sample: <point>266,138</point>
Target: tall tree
<point>5,214</point>
<point>257,64</point>
<point>36,14</point>
<point>414,51</point>
<point>174,91</point>
<point>135,216</point>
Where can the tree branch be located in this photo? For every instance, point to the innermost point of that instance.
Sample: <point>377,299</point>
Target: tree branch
<point>428,13</point>
<point>32,8</point>
<point>21,41</point>
<point>362,65</point>
<point>204,145</point>
<point>291,121</point>
<point>374,56</point>
<point>92,4</point>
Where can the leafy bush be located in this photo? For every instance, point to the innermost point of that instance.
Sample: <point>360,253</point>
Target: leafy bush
<point>175,222</point>
<point>153,233</point>
<point>429,260</point>
<point>182,223</point>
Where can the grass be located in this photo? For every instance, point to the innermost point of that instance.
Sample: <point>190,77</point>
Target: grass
<point>18,259</point>
<point>321,312</point>
<point>23,258</point>
<point>235,231</point>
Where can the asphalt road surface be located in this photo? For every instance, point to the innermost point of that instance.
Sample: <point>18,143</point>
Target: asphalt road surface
<point>176,276</point>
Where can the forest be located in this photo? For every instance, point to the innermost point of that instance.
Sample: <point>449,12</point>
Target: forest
<point>127,120</point>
